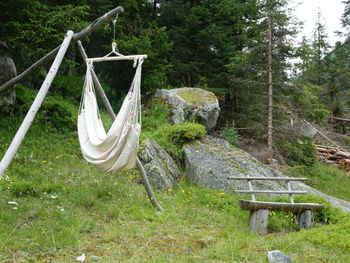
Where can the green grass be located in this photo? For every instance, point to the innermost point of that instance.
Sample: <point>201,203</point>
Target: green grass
<point>326,178</point>
<point>67,207</point>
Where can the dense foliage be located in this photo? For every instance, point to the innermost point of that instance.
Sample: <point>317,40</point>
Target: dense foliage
<point>218,45</point>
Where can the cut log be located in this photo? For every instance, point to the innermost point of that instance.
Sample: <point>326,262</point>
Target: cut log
<point>304,219</point>
<point>258,221</point>
<point>343,154</point>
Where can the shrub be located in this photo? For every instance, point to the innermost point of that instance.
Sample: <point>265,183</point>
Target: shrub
<point>55,111</point>
<point>155,115</point>
<point>58,114</point>
<point>182,133</point>
<point>231,135</point>
<point>329,215</point>
<point>300,151</point>
<point>68,86</point>
<point>285,221</point>
<point>156,125</point>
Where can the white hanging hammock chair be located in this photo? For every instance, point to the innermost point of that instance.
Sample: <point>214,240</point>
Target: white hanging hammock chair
<point>115,150</point>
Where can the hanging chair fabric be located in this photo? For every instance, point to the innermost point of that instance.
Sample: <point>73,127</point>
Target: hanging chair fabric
<point>115,150</point>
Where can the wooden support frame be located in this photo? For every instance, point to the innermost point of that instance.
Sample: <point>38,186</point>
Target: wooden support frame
<point>112,115</point>
<point>9,155</point>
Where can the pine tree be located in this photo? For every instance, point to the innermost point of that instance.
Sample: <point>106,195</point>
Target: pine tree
<point>321,47</point>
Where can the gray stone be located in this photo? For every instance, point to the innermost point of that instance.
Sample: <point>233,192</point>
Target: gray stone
<point>211,161</point>
<point>188,103</point>
<point>277,256</point>
<point>162,171</point>
<point>7,72</point>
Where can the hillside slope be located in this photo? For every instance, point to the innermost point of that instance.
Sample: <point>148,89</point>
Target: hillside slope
<point>54,207</point>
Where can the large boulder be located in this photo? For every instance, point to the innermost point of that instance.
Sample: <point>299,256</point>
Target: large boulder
<point>161,169</point>
<point>188,103</point>
<point>7,72</point>
<point>211,161</point>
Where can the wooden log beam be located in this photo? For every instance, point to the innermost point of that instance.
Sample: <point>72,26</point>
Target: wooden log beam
<point>324,146</point>
<point>341,119</point>
<point>51,55</point>
<point>342,154</point>
<point>277,192</point>
<point>268,178</point>
<point>277,206</point>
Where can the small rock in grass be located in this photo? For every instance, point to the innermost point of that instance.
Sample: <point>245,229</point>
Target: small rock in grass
<point>277,256</point>
<point>95,258</point>
<point>81,258</point>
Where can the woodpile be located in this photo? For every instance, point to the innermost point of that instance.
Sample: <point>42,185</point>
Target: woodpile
<point>334,156</point>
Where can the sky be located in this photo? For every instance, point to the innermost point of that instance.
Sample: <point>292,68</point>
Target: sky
<point>331,11</point>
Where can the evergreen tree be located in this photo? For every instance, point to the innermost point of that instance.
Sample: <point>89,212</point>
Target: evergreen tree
<point>321,48</point>
<point>345,19</point>
<point>251,109</point>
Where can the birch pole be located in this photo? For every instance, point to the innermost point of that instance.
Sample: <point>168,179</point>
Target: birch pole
<point>270,92</point>
<point>27,122</point>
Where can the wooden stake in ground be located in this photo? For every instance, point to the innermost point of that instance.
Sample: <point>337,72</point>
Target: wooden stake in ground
<point>27,122</point>
<point>111,113</point>
<point>270,92</point>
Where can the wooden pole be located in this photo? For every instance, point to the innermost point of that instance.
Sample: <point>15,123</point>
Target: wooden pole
<point>111,113</point>
<point>27,122</point>
<point>49,56</point>
<point>97,83</point>
<point>270,91</point>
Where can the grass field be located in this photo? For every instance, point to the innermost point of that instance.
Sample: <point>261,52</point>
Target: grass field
<point>54,207</point>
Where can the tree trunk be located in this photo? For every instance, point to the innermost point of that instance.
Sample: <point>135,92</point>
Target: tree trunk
<point>270,91</point>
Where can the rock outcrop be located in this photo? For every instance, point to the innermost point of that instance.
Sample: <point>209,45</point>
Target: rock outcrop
<point>188,103</point>
<point>211,161</point>
<point>7,72</point>
<point>161,169</point>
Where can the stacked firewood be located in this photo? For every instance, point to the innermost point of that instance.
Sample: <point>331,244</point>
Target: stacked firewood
<point>334,156</point>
